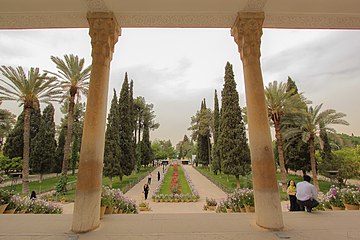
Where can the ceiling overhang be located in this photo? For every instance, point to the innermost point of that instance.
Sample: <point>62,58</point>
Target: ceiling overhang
<point>323,14</point>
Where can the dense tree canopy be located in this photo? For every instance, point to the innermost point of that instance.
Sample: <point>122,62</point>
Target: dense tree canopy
<point>43,146</point>
<point>312,122</point>
<point>29,90</point>
<point>7,121</point>
<point>185,147</point>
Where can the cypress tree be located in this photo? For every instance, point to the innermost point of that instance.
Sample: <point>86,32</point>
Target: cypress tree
<point>43,146</point>
<point>59,153</point>
<point>181,154</point>
<point>78,125</point>
<point>203,138</point>
<point>14,144</point>
<point>234,149</point>
<point>297,153</point>
<point>291,86</point>
<point>146,153</point>
<point>325,152</point>
<point>135,166</point>
<point>112,154</point>
<point>216,153</point>
<point>125,129</point>
<point>187,147</point>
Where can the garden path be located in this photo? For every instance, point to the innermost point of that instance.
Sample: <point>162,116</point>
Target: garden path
<point>202,184</point>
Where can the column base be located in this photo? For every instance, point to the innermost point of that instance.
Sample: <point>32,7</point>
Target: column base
<point>268,204</point>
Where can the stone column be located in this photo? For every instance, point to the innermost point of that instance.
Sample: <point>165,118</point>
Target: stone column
<point>104,32</point>
<point>247,32</point>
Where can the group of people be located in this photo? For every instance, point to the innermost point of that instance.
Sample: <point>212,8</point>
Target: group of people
<point>302,195</point>
<point>147,185</point>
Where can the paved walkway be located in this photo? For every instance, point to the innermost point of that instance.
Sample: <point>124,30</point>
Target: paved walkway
<point>202,184</point>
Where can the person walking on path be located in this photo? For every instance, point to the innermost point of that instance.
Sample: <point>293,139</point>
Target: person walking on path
<point>291,191</point>
<point>306,194</point>
<point>158,176</point>
<point>146,190</point>
<point>149,179</point>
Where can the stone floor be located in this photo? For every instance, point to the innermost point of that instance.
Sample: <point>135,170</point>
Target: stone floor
<point>298,225</point>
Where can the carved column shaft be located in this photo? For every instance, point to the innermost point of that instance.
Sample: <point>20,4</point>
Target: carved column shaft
<point>104,32</point>
<point>247,32</point>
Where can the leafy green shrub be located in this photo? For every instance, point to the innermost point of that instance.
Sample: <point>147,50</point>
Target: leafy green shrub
<point>61,185</point>
<point>10,165</point>
<point>5,196</point>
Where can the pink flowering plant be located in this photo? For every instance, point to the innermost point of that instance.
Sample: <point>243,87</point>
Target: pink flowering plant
<point>249,197</point>
<point>335,197</point>
<point>211,202</point>
<point>5,196</point>
<point>115,198</point>
<point>223,206</point>
<point>351,195</point>
<point>40,206</point>
<point>21,203</point>
<point>237,200</point>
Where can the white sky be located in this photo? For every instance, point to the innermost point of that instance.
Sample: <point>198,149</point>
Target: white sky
<point>176,68</point>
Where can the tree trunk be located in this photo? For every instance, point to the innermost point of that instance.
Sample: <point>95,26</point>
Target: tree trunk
<point>26,151</point>
<point>68,137</point>
<point>281,155</point>
<point>110,182</point>
<point>313,162</point>
<point>41,177</point>
<point>237,181</point>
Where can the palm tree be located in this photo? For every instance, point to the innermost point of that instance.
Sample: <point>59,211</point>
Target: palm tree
<point>310,125</point>
<point>29,91</point>
<point>280,103</point>
<point>74,79</point>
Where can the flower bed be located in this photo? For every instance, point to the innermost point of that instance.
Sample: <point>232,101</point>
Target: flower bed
<point>17,203</point>
<point>237,201</point>
<point>338,199</point>
<point>176,195</point>
<point>115,199</point>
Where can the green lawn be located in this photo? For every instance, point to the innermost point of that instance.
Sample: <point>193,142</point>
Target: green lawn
<point>221,180</point>
<point>165,187</point>
<point>128,181</point>
<point>50,183</point>
<point>226,182</point>
<point>45,186</point>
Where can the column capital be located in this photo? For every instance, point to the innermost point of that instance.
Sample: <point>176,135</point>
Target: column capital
<point>104,32</point>
<point>247,32</point>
